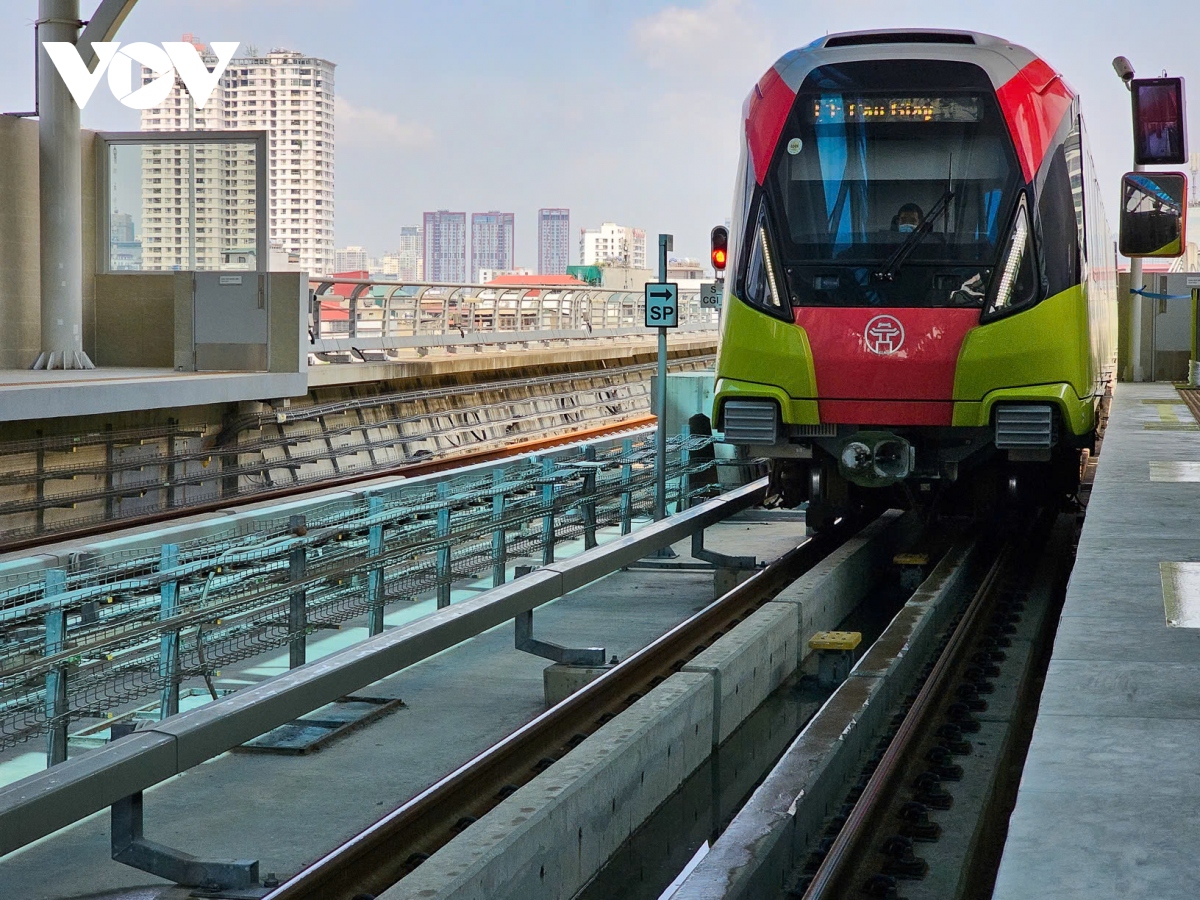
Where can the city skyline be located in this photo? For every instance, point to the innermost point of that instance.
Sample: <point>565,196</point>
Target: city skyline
<point>637,122</point>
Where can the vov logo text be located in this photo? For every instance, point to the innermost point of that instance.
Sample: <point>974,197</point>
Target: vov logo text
<point>171,59</point>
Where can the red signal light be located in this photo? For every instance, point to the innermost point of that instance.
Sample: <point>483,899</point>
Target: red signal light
<point>719,238</point>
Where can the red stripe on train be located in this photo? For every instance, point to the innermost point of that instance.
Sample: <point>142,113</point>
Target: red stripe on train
<point>1034,102</point>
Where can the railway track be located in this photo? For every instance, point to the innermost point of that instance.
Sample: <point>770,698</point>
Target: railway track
<point>377,858</point>
<point>927,815</point>
<point>294,492</point>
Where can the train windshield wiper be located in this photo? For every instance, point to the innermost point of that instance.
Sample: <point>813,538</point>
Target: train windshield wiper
<point>896,260</point>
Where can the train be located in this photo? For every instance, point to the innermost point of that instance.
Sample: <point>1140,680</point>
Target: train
<point>920,299</point>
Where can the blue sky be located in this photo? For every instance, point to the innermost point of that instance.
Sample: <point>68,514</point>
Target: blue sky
<point>623,111</point>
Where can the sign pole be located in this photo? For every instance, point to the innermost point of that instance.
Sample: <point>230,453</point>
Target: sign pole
<point>665,242</point>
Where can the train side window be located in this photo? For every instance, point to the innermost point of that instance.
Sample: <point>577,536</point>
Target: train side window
<point>762,276</point>
<point>1058,219</point>
<point>1077,172</point>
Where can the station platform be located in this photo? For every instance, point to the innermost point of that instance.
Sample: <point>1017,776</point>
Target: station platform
<point>1109,801</point>
<point>287,810</point>
<point>36,395</point>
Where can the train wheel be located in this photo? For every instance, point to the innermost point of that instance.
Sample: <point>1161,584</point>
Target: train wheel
<point>789,482</point>
<point>828,497</point>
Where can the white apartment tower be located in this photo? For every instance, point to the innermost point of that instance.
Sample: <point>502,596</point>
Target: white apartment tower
<point>286,94</point>
<point>611,243</point>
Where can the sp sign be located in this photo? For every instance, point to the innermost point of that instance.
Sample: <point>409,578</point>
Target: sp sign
<point>171,59</point>
<point>662,305</point>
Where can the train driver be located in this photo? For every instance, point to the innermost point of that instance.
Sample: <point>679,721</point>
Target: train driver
<point>908,219</point>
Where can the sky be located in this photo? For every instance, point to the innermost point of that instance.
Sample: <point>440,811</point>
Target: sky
<point>622,111</point>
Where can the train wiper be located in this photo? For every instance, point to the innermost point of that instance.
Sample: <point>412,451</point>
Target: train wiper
<point>896,260</point>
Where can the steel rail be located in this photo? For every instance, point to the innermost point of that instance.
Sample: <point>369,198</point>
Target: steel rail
<point>379,856</point>
<point>46,801</point>
<point>834,879</point>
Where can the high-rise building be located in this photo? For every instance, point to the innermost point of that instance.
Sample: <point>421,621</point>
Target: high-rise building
<point>611,243</point>
<point>122,230</point>
<point>554,241</point>
<point>445,242</point>
<point>286,94</point>
<point>351,259</point>
<point>410,265</point>
<point>491,242</point>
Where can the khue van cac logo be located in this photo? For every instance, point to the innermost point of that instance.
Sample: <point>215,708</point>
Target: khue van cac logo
<point>884,335</point>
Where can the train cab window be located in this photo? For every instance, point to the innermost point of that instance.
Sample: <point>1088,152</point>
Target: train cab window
<point>869,150</point>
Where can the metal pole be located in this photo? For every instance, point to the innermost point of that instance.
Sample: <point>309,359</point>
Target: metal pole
<point>626,489</point>
<point>56,678</point>
<point>375,575</point>
<point>499,561</point>
<point>444,574</point>
<point>168,651</point>
<point>60,180</point>
<point>660,451</point>
<point>1135,324</point>
<point>297,602</point>
<point>588,509</point>
<point>548,515</point>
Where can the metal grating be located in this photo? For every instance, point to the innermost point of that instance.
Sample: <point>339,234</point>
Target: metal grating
<point>814,430</point>
<point>1025,426</point>
<point>750,422</point>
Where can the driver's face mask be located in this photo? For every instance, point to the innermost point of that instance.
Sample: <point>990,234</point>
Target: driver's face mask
<point>907,227</point>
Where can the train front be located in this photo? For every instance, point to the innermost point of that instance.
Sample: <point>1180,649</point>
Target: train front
<point>884,314</point>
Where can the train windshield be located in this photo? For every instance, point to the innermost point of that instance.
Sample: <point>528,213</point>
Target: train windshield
<point>873,152</point>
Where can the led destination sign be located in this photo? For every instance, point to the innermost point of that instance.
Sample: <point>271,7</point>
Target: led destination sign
<point>839,109</point>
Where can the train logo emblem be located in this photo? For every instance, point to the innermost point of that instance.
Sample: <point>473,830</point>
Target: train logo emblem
<point>884,335</point>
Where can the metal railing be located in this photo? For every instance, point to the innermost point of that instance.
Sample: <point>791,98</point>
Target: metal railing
<point>42,803</point>
<point>75,644</point>
<point>400,315</point>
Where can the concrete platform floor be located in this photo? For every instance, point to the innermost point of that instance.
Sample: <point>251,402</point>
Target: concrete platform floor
<point>27,394</point>
<point>286,811</point>
<point>1109,804</point>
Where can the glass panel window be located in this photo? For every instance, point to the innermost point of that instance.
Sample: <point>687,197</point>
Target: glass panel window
<point>892,185</point>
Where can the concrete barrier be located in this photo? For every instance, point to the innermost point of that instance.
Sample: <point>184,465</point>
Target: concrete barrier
<point>748,664</point>
<point>548,839</point>
<point>766,841</point>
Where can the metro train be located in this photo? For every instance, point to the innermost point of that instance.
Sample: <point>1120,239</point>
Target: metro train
<point>921,290</point>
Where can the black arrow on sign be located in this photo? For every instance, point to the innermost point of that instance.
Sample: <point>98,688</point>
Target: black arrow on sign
<point>664,294</point>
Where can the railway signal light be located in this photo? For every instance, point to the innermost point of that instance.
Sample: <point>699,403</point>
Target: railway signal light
<point>719,239</point>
